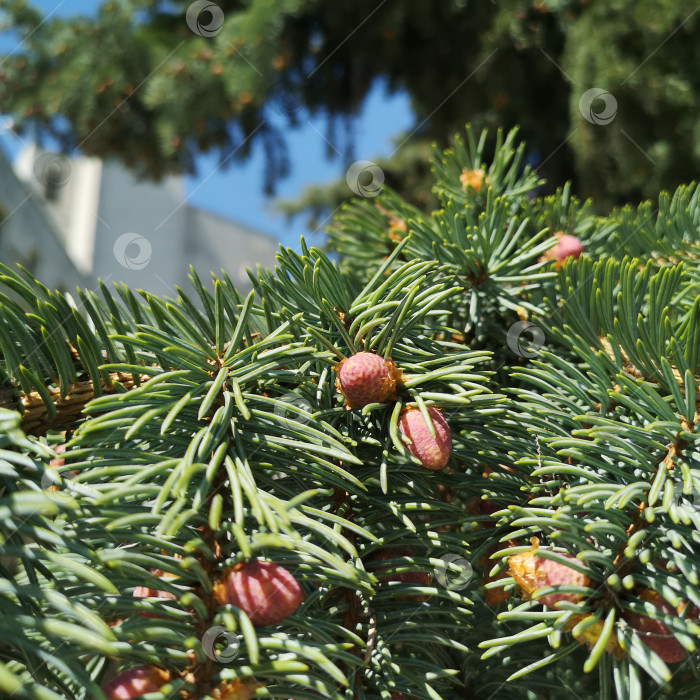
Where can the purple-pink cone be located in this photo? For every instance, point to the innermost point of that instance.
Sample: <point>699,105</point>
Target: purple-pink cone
<point>553,573</point>
<point>266,592</point>
<point>433,452</point>
<point>655,634</point>
<point>365,378</point>
<point>532,572</point>
<point>135,682</point>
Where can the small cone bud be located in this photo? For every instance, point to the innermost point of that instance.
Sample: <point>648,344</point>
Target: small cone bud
<point>237,690</point>
<point>59,461</point>
<point>567,247</point>
<point>473,178</point>
<point>590,635</point>
<point>266,592</point>
<point>433,452</point>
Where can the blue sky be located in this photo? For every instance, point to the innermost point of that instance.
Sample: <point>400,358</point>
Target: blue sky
<point>236,191</point>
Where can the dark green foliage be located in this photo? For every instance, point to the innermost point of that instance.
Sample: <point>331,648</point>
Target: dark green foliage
<point>138,84</point>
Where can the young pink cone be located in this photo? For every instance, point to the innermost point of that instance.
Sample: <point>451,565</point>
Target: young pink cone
<point>433,452</point>
<point>532,572</point>
<point>567,247</point>
<point>146,592</point>
<point>654,634</point>
<point>266,592</point>
<point>58,463</point>
<point>366,378</point>
<point>135,682</point>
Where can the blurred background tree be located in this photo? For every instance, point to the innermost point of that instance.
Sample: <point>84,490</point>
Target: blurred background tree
<point>155,83</point>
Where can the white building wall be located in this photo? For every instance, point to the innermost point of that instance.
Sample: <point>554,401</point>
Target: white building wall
<point>215,243</point>
<point>140,231</point>
<point>29,234</point>
<point>117,228</point>
<point>81,204</point>
<point>75,201</point>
